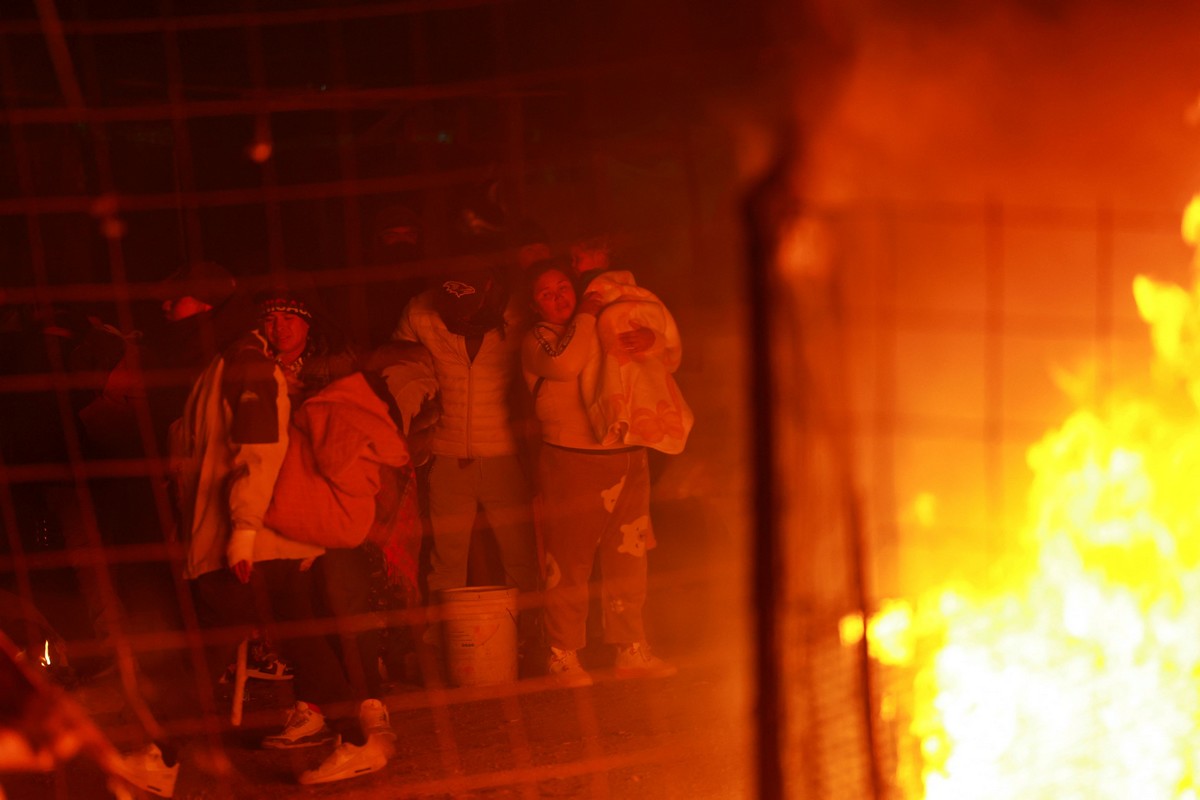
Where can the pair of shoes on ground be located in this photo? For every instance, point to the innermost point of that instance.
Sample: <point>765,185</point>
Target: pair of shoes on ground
<point>633,661</point>
<point>352,760</point>
<point>305,727</point>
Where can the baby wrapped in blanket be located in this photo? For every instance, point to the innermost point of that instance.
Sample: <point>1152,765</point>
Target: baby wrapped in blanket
<point>631,396</point>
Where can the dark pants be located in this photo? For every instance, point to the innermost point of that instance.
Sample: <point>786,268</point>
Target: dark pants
<point>346,577</point>
<point>595,505</point>
<point>278,592</point>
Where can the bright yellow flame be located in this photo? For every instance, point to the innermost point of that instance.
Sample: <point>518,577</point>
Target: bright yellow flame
<point>46,654</point>
<point>890,633</point>
<point>1079,678</point>
<point>925,509</point>
<point>922,511</point>
<point>1191,221</point>
<point>851,629</point>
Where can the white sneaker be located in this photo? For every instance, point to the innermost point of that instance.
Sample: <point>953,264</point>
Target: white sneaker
<point>373,717</point>
<point>566,670</point>
<point>146,770</point>
<point>305,727</point>
<point>636,661</point>
<point>350,761</point>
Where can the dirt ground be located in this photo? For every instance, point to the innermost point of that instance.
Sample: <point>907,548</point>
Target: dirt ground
<point>682,737</point>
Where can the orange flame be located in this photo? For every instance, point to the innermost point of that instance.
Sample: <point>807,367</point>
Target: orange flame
<point>1077,678</point>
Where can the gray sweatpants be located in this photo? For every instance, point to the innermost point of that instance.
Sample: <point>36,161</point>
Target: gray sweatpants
<point>457,489</point>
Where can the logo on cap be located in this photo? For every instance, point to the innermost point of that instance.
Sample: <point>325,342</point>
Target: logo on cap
<point>458,288</point>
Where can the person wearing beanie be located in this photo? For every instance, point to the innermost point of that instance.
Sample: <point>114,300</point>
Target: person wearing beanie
<point>226,452</point>
<point>228,449</point>
<point>319,375</point>
<point>325,355</point>
<point>287,322</point>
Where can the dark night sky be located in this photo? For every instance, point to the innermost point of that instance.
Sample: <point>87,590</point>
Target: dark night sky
<point>371,105</point>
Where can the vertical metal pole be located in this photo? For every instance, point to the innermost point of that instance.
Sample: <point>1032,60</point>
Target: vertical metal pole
<point>765,205</point>
<point>858,564</point>
<point>770,208</point>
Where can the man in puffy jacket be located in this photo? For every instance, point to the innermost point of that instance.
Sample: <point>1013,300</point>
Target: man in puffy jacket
<point>471,330</point>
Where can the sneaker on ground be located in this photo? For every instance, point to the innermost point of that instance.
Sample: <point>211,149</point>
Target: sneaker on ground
<point>373,717</point>
<point>636,661</point>
<point>350,761</point>
<point>146,770</point>
<point>565,669</point>
<point>270,668</point>
<point>305,727</point>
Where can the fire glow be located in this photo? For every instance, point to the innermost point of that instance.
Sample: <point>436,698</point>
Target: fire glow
<point>1078,674</point>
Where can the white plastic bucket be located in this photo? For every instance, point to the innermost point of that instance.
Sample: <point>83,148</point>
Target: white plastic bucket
<point>479,634</point>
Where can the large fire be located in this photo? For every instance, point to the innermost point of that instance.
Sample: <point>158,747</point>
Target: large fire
<point>1078,675</point>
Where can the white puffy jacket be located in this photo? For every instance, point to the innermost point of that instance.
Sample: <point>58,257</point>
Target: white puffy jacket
<point>475,420</point>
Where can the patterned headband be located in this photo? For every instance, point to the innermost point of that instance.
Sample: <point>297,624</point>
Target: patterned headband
<point>285,305</point>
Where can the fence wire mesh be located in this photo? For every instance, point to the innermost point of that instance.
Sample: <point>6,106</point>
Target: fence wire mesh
<point>340,142</point>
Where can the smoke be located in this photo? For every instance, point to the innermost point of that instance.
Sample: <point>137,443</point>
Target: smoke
<point>1058,104</point>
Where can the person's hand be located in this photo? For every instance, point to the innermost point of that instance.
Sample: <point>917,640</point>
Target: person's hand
<point>590,304</point>
<point>638,340</point>
<point>426,418</point>
<point>242,569</point>
<point>419,446</point>
<point>240,553</point>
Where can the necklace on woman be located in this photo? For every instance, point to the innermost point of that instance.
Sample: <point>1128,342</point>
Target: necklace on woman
<point>554,351</point>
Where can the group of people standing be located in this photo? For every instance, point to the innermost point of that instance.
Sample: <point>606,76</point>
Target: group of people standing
<point>292,456</point>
